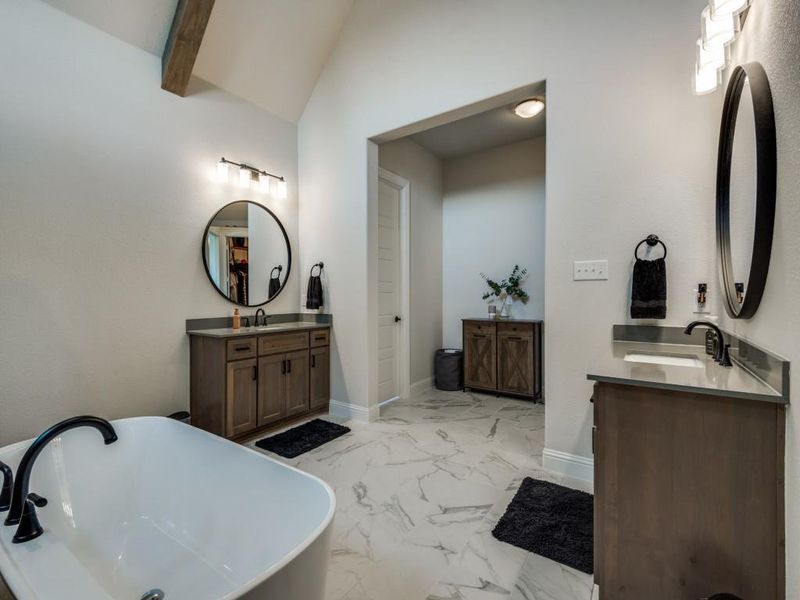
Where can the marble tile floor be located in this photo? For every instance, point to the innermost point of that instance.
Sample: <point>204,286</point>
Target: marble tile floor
<point>418,494</point>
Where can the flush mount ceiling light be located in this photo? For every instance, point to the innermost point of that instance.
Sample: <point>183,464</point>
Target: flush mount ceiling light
<point>253,178</point>
<point>529,108</point>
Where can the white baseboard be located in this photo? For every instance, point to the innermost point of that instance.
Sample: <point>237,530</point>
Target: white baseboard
<point>420,387</point>
<point>571,465</point>
<point>354,412</point>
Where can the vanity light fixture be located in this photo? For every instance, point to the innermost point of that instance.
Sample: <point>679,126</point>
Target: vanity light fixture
<point>222,171</point>
<point>720,24</point>
<point>252,178</point>
<point>281,189</point>
<point>718,30</point>
<point>529,108</point>
<point>729,7</point>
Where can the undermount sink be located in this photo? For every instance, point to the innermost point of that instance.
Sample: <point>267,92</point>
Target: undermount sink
<point>672,360</point>
<point>281,326</point>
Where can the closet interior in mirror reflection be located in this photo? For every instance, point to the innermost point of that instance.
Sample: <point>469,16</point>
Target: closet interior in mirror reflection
<point>246,253</point>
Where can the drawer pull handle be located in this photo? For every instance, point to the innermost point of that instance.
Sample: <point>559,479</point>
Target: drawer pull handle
<point>255,372</point>
<point>242,348</point>
<point>313,361</point>
<point>319,337</point>
<point>513,337</point>
<point>283,367</point>
<point>289,367</point>
<point>478,335</point>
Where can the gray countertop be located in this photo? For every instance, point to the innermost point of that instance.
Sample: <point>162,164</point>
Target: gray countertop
<point>709,378</point>
<point>228,332</point>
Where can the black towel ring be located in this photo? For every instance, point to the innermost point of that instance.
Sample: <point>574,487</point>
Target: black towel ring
<point>651,240</point>
<point>320,265</point>
<point>279,268</point>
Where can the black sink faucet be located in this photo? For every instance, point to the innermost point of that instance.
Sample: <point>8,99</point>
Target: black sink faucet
<point>23,504</point>
<point>261,312</point>
<point>722,356</point>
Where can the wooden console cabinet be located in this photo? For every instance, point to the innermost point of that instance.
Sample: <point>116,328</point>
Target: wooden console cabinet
<point>689,495</point>
<point>243,384</point>
<point>503,356</point>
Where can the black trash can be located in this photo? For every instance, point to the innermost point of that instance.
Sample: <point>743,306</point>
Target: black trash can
<point>448,369</point>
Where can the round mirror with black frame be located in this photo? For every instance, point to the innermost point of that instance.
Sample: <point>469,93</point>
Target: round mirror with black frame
<point>246,253</point>
<point>746,185</point>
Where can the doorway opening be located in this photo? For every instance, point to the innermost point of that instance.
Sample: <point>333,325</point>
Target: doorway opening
<point>470,189</point>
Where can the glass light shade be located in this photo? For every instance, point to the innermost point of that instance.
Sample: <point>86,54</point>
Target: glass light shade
<point>263,183</point>
<point>713,57</point>
<point>727,7</point>
<point>222,171</point>
<point>244,177</point>
<point>529,108</point>
<point>717,31</point>
<point>706,80</point>
<point>281,189</point>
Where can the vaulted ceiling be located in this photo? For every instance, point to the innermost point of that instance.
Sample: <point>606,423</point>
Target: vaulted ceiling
<point>269,52</point>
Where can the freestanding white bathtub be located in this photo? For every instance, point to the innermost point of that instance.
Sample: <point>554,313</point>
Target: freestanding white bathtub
<point>168,507</point>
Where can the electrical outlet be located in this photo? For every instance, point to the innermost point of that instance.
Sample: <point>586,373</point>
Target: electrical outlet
<point>588,270</point>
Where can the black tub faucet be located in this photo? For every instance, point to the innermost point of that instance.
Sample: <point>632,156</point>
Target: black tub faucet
<point>261,312</point>
<point>722,356</point>
<point>23,504</point>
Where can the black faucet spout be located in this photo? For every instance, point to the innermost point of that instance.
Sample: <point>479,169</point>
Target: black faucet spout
<point>20,493</point>
<point>721,356</point>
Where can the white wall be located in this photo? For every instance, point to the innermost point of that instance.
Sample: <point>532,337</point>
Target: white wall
<point>423,169</point>
<point>630,151</point>
<point>104,195</point>
<point>494,218</point>
<point>770,36</point>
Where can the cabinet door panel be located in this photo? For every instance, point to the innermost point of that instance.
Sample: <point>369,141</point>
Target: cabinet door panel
<point>480,360</point>
<point>242,393</point>
<point>515,364</point>
<point>297,382</point>
<point>320,377</point>
<point>271,388</point>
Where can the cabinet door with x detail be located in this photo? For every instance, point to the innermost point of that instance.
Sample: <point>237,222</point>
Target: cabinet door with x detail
<point>515,364</point>
<point>480,360</point>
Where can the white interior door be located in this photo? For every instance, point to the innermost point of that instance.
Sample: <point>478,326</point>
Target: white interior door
<point>389,289</point>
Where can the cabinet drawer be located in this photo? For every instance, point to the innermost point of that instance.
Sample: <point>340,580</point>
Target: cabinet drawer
<point>477,327</point>
<point>515,329</point>
<point>241,348</point>
<point>282,342</point>
<point>320,337</point>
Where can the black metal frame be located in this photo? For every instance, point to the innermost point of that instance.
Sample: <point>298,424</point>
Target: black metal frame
<point>766,160</point>
<point>288,251</point>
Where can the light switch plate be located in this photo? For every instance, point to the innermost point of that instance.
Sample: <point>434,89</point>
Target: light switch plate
<point>590,270</point>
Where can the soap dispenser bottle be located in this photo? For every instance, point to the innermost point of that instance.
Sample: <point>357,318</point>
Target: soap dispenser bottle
<point>237,320</point>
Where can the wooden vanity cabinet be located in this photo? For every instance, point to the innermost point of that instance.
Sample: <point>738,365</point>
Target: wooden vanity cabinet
<point>241,385</point>
<point>503,356</point>
<point>688,495</point>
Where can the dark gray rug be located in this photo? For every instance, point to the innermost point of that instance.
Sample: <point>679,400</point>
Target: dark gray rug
<point>305,437</point>
<point>552,521</point>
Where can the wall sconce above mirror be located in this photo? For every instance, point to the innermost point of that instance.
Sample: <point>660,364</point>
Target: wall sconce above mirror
<point>246,253</point>
<point>746,186</point>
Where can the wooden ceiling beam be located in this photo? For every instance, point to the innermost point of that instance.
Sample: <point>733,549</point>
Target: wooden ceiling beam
<point>183,44</point>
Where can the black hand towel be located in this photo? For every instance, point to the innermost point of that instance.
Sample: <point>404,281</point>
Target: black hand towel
<point>274,282</point>
<point>649,290</point>
<point>314,292</point>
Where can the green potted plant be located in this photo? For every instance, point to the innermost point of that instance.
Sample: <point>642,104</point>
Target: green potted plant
<point>507,290</point>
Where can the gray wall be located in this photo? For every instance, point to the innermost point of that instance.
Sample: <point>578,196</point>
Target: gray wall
<point>493,218</point>
<point>106,186</point>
